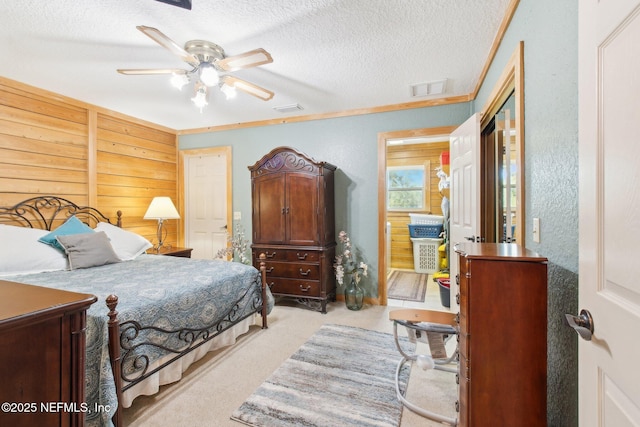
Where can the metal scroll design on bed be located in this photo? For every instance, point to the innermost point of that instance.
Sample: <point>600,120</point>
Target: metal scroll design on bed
<point>46,211</point>
<point>137,342</point>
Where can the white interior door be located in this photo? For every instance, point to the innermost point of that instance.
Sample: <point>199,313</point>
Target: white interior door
<point>206,204</point>
<point>609,97</point>
<point>464,209</point>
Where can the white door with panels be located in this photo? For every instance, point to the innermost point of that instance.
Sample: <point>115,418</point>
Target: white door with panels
<point>609,285</point>
<point>464,210</point>
<point>206,204</point>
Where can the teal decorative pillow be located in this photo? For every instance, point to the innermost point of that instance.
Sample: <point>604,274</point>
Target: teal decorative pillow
<point>71,226</point>
<point>88,250</point>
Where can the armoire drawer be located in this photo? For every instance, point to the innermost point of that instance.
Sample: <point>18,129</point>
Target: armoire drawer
<point>291,255</point>
<point>279,285</point>
<point>293,270</point>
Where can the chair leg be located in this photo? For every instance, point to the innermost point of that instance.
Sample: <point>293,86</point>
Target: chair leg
<point>418,410</point>
<point>438,364</point>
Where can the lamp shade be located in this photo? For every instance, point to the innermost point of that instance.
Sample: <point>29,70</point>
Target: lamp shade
<point>162,208</point>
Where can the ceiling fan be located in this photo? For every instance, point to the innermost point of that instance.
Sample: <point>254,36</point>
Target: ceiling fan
<point>209,66</point>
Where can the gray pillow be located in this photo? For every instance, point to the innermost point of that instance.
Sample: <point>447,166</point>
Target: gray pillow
<point>88,250</point>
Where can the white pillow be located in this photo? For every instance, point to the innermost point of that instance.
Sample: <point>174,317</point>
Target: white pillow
<point>22,253</point>
<point>126,244</point>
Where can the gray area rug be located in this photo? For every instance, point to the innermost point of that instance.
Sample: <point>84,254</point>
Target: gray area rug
<point>342,376</point>
<point>407,286</point>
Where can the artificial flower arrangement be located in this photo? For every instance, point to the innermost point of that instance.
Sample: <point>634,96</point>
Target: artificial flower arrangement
<point>238,246</point>
<point>346,262</point>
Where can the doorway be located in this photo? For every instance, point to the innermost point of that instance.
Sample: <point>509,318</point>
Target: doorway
<point>510,84</point>
<point>205,177</point>
<point>395,251</point>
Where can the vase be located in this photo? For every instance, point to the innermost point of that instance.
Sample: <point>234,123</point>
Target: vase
<point>353,295</point>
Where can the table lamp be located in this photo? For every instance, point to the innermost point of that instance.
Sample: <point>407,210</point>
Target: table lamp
<point>161,208</point>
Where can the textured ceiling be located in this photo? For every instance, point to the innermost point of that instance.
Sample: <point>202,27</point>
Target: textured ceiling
<point>328,55</point>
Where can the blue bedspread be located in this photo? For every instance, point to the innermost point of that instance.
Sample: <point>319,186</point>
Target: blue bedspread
<point>163,291</point>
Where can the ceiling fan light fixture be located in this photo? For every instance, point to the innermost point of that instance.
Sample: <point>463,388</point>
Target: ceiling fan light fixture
<point>179,81</point>
<point>208,74</point>
<point>200,97</point>
<point>207,61</point>
<point>229,91</point>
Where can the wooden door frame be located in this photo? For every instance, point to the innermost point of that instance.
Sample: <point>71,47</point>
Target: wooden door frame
<point>382,195</point>
<point>211,151</point>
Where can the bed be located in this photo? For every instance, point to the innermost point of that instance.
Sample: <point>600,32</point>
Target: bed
<point>155,315</point>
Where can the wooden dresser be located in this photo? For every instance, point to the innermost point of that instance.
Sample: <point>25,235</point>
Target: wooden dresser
<point>42,356</point>
<point>294,225</point>
<point>503,335</point>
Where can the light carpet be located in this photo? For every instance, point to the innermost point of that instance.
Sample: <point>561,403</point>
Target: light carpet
<point>342,376</point>
<point>407,286</point>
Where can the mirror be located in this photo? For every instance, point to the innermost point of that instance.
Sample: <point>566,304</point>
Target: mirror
<point>502,134</point>
<point>507,173</point>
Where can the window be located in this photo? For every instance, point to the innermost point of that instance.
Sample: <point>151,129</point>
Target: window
<point>406,187</point>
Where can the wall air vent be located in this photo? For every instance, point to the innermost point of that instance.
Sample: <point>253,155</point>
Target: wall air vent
<point>288,108</point>
<point>436,87</point>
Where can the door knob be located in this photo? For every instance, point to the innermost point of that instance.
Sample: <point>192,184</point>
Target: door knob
<point>582,324</point>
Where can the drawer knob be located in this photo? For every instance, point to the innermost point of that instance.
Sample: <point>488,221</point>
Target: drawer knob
<point>270,255</point>
<point>301,257</point>
<point>305,273</point>
<point>305,288</point>
<point>270,269</point>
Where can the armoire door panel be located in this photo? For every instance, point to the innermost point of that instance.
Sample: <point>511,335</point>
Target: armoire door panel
<point>269,209</point>
<point>302,209</point>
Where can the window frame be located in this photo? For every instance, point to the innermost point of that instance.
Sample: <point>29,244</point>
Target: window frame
<point>425,188</point>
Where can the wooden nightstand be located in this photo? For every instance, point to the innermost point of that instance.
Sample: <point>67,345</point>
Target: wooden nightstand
<point>172,251</point>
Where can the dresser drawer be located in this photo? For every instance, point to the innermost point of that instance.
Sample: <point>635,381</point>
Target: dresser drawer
<point>293,270</point>
<point>303,288</point>
<point>291,255</point>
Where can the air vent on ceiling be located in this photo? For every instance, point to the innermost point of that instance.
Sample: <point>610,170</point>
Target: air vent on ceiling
<point>436,87</point>
<point>288,108</point>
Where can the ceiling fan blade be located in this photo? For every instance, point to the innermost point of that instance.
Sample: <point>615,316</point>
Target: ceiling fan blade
<point>247,87</point>
<point>141,71</point>
<point>249,59</point>
<point>164,41</point>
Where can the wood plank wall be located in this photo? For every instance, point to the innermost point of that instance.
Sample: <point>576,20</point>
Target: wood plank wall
<point>413,154</point>
<point>54,145</point>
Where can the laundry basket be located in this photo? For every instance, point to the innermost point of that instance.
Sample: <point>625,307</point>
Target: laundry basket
<point>425,226</point>
<point>426,256</point>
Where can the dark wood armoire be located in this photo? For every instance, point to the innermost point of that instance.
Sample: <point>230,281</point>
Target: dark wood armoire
<point>294,225</point>
<point>503,335</point>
